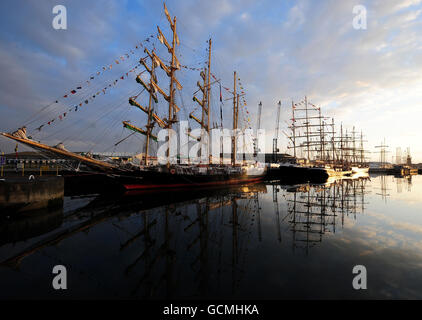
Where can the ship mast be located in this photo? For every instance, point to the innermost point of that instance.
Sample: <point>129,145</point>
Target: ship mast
<point>307,129</point>
<point>235,113</point>
<point>322,137</point>
<point>170,71</point>
<point>383,152</point>
<point>202,103</point>
<point>153,88</point>
<point>361,148</point>
<point>293,130</point>
<point>333,142</point>
<point>172,80</point>
<point>258,126</point>
<point>152,117</point>
<point>341,145</point>
<point>309,134</point>
<point>149,124</point>
<point>208,101</point>
<point>205,103</point>
<point>354,160</point>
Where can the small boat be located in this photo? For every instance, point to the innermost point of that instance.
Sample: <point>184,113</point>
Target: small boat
<point>360,170</point>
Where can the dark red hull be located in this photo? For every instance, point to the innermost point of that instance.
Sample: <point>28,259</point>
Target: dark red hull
<point>142,186</point>
<point>183,177</point>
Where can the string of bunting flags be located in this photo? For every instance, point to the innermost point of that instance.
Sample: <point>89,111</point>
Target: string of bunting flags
<point>187,67</point>
<point>76,107</point>
<point>314,106</point>
<point>107,67</point>
<point>191,68</point>
<point>246,118</point>
<point>298,104</point>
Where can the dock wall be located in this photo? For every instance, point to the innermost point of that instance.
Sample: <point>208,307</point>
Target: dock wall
<point>22,194</point>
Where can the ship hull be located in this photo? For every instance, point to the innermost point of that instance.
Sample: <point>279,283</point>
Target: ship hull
<point>360,170</point>
<point>184,184</point>
<point>169,179</point>
<point>339,172</point>
<point>298,174</point>
<point>404,170</point>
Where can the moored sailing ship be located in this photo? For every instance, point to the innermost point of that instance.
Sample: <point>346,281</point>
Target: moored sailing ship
<point>318,152</point>
<point>144,175</point>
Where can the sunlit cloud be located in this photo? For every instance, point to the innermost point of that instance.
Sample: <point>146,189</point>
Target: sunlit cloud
<point>369,79</point>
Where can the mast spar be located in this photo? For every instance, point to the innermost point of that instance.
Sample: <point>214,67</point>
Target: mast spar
<point>204,103</point>
<point>235,112</point>
<point>153,88</point>
<point>170,72</point>
<point>293,130</point>
<point>307,130</point>
<point>333,141</point>
<point>152,117</point>
<point>173,69</point>
<point>208,101</point>
<point>150,124</point>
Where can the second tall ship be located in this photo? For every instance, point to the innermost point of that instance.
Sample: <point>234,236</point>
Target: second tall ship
<point>319,151</point>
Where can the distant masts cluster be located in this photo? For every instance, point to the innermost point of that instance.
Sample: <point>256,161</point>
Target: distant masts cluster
<point>314,140</point>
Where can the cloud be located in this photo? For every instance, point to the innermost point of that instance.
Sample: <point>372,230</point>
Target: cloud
<point>367,78</point>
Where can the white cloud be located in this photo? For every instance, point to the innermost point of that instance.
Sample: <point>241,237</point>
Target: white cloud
<point>368,78</point>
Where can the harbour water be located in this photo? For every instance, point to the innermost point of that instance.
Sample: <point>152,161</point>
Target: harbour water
<point>259,241</point>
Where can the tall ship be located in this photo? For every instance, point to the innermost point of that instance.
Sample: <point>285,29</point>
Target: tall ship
<point>357,154</point>
<point>174,171</point>
<point>319,151</point>
<point>404,166</point>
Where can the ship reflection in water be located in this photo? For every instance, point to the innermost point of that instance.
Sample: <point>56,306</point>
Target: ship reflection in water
<point>258,241</point>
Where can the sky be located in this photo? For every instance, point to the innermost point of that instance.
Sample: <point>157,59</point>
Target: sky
<point>281,50</point>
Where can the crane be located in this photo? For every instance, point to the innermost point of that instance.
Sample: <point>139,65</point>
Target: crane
<point>277,127</point>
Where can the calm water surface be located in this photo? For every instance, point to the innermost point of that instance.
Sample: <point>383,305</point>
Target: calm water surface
<point>258,241</point>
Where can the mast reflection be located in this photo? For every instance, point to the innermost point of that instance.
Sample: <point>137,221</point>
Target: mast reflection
<point>198,244</point>
<point>315,210</point>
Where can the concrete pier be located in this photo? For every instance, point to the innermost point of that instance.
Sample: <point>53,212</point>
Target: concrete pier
<point>19,194</point>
